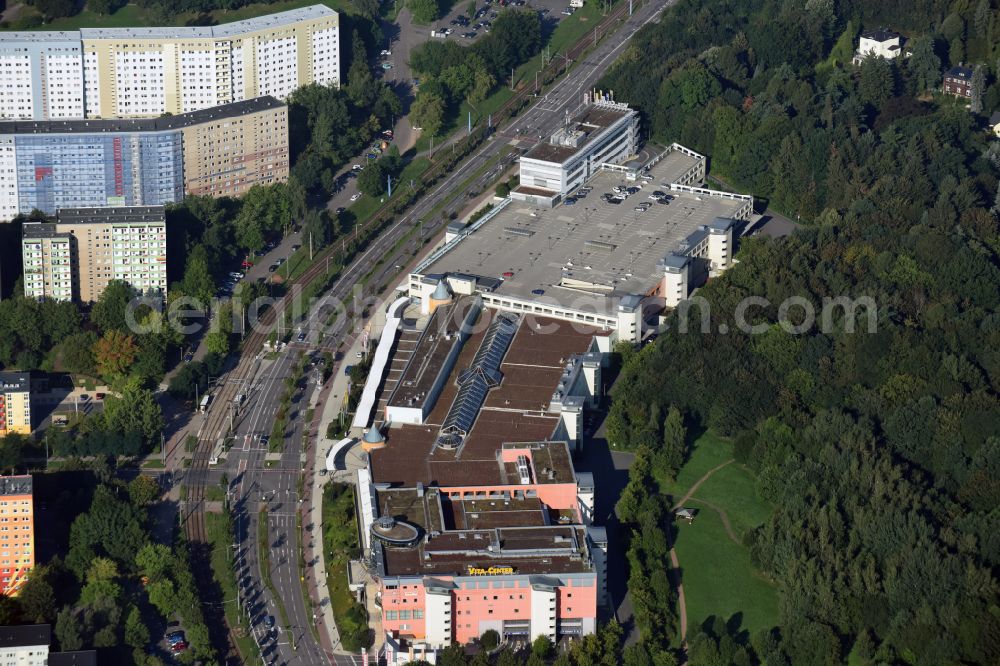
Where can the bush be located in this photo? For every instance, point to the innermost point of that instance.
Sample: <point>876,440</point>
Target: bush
<point>490,640</point>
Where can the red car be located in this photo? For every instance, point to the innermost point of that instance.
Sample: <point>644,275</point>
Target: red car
<point>247,263</point>
<point>508,274</point>
<point>179,647</point>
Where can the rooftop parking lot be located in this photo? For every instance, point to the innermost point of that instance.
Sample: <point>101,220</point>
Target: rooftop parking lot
<point>591,249</point>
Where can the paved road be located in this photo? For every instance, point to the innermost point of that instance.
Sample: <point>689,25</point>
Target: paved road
<point>253,483</point>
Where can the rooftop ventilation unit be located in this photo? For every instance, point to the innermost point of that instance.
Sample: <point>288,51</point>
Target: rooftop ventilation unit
<point>600,246</point>
<point>524,469</point>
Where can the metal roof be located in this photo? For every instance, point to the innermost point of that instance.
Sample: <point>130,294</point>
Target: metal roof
<point>484,374</point>
<point>15,381</point>
<point>160,124</point>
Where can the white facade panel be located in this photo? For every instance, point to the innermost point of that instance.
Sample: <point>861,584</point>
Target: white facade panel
<point>198,79</point>
<point>437,618</point>
<point>64,85</point>
<point>16,86</point>
<point>139,78</point>
<point>91,85</point>
<point>277,67</point>
<point>543,612</point>
<point>326,56</point>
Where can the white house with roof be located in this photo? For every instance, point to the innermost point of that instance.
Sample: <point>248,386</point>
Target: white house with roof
<point>879,42</point>
<point>994,123</point>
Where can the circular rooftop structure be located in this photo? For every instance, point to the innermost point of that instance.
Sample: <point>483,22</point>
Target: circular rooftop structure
<point>395,533</point>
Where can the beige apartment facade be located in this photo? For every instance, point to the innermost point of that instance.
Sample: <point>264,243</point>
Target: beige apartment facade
<point>126,243</point>
<point>64,164</point>
<point>229,154</point>
<point>146,72</point>
<point>15,403</point>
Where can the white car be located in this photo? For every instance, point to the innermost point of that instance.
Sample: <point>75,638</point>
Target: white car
<point>385,53</point>
<point>355,196</point>
<point>357,167</point>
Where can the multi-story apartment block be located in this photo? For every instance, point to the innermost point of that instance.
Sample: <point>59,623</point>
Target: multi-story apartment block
<point>47,256</point>
<point>225,150</point>
<point>15,402</point>
<point>17,532</point>
<point>77,256</point>
<point>25,645</point>
<point>144,72</point>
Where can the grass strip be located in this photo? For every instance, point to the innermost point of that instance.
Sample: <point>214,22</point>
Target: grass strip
<point>219,529</point>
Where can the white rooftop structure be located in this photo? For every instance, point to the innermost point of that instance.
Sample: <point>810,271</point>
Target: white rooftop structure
<point>595,262</point>
<point>602,131</point>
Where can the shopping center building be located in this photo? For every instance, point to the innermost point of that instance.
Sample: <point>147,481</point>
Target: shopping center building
<point>613,264</point>
<point>473,513</point>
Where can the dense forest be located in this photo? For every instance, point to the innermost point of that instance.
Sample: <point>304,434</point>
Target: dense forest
<point>879,449</point>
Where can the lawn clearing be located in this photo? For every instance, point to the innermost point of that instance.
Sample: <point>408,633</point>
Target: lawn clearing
<point>719,579</point>
<point>716,571</point>
<point>707,452</point>
<point>732,489</point>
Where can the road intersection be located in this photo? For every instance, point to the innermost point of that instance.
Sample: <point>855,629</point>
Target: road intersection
<point>257,480</point>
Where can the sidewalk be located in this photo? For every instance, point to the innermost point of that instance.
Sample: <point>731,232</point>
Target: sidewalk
<point>329,401</point>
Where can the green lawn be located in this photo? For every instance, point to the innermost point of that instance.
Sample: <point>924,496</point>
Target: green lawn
<point>135,16</point>
<point>732,488</point>
<point>220,537</point>
<point>718,577</point>
<point>340,542</point>
<point>707,451</point>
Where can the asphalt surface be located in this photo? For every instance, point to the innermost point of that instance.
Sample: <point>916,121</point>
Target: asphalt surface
<point>252,483</point>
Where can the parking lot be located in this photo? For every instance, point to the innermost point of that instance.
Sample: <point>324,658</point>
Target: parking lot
<point>457,24</point>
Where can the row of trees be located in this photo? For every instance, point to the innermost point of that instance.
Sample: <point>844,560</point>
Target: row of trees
<point>603,648</point>
<point>452,74</point>
<point>874,443</point>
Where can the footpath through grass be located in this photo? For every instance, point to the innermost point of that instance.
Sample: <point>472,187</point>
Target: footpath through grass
<point>340,544</point>
<point>719,579</point>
